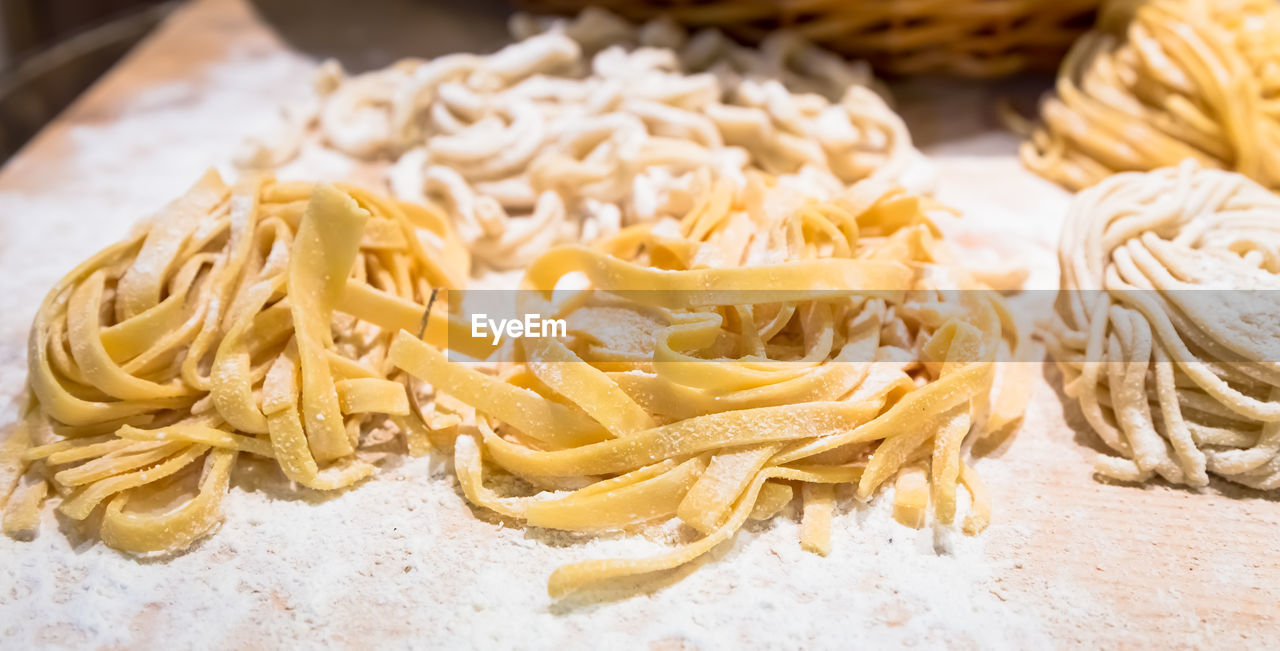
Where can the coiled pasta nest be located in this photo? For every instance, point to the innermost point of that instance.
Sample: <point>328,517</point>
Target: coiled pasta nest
<point>1166,325</point>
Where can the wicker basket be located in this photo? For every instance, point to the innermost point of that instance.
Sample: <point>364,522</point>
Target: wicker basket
<point>972,38</point>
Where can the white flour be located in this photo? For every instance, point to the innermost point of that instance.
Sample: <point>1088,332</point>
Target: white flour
<point>403,561</point>
<point>403,557</point>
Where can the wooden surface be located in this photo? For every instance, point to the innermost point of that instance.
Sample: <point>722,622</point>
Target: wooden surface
<point>1091,563</point>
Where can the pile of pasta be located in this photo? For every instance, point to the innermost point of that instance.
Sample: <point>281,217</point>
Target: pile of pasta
<point>764,345</point>
<point>588,125</point>
<point>1161,81</point>
<point>245,320</point>
<point>1166,325</point>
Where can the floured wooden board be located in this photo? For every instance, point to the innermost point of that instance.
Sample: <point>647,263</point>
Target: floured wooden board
<point>1068,560</point>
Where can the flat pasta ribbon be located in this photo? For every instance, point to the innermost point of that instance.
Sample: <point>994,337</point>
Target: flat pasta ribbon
<point>245,320</point>
<point>763,347</point>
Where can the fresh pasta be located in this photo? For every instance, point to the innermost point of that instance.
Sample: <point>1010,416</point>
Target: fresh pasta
<point>1166,81</point>
<point>763,347</point>
<point>1165,325</point>
<point>251,319</point>
<point>586,126</point>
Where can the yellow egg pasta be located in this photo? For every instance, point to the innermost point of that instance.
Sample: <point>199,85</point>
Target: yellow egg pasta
<point>711,369</point>
<point>251,319</point>
<point>764,346</point>
<point>1161,81</point>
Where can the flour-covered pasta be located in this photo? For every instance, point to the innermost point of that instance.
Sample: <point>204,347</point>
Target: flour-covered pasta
<point>245,320</point>
<point>1166,324</point>
<point>763,347</point>
<point>589,125</point>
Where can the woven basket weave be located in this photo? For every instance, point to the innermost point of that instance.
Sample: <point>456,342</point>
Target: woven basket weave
<point>972,38</point>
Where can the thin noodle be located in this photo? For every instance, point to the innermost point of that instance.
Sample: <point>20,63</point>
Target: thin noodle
<point>1165,326</point>
<point>1167,81</point>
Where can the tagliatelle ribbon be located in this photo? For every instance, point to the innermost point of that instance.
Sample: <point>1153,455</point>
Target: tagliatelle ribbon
<point>252,319</point>
<point>819,353</point>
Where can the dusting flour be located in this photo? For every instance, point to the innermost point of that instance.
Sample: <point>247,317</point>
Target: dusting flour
<point>402,560</point>
<point>402,557</point>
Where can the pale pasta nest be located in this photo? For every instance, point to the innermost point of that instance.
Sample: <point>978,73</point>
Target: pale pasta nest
<point>1166,325</point>
<point>591,124</point>
<point>1167,81</point>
